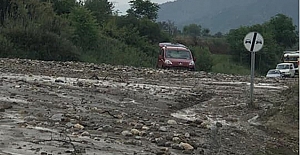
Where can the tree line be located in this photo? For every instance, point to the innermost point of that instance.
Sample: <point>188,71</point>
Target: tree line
<point>91,31</point>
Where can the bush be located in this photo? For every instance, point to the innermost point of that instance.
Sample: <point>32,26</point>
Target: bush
<point>112,51</point>
<point>203,59</point>
<point>6,48</point>
<point>33,43</point>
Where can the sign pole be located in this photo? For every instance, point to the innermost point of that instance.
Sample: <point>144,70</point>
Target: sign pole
<point>252,78</point>
<point>253,42</point>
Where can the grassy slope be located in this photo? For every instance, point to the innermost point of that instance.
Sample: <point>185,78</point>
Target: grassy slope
<point>223,64</point>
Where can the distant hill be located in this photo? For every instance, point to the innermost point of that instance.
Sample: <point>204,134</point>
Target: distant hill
<point>223,15</point>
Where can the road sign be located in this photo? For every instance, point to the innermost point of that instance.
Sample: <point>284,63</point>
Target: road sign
<point>253,42</point>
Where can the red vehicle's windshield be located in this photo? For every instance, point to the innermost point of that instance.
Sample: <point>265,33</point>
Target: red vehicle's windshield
<point>178,54</point>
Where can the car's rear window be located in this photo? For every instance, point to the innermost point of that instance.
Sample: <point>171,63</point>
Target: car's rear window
<point>273,72</point>
<point>178,54</point>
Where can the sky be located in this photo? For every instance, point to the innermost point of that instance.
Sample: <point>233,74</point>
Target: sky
<point>123,5</point>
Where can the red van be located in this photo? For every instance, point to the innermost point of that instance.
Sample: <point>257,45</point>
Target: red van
<point>175,56</point>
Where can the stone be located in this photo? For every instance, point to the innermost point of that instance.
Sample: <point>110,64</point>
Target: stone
<point>126,133</point>
<point>57,117</point>
<point>176,146</point>
<point>138,137</point>
<point>145,128</point>
<point>135,131</point>
<point>69,125</point>
<point>4,106</point>
<point>176,139</point>
<point>172,122</point>
<point>187,135</point>
<point>186,146</point>
<point>107,128</point>
<point>143,133</point>
<point>163,129</point>
<point>79,126</point>
<point>85,133</point>
<point>59,81</point>
<point>219,125</point>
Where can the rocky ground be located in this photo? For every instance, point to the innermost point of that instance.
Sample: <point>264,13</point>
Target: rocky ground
<point>52,108</point>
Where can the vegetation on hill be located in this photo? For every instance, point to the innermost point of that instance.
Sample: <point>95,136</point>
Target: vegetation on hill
<point>91,31</point>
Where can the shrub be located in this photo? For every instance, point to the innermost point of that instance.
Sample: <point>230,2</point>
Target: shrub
<point>203,59</point>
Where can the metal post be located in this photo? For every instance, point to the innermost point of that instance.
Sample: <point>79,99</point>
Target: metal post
<point>252,78</point>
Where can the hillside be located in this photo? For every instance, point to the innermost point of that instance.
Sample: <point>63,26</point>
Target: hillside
<point>223,15</point>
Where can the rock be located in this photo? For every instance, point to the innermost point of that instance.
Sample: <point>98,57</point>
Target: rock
<point>186,146</point>
<point>176,139</point>
<point>160,141</point>
<point>59,81</point>
<point>85,133</point>
<point>104,135</point>
<point>138,125</point>
<point>30,118</point>
<point>163,151</point>
<point>4,106</point>
<point>197,121</point>
<point>145,128</point>
<point>163,129</point>
<point>69,125</point>
<point>187,135</point>
<point>78,126</point>
<point>57,117</point>
<point>133,142</point>
<point>126,133</point>
<point>172,122</point>
<point>107,128</point>
<point>138,137</point>
<point>143,133</point>
<point>219,125</point>
<point>176,146</point>
<point>135,132</point>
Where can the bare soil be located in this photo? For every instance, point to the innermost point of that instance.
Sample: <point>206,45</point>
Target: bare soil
<point>52,108</point>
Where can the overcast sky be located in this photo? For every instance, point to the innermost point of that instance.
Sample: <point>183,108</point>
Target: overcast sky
<point>123,5</point>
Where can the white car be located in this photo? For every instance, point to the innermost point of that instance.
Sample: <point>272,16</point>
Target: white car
<point>274,73</point>
<point>287,69</point>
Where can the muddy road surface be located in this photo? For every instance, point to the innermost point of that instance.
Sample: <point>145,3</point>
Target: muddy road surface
<point>52,108</point>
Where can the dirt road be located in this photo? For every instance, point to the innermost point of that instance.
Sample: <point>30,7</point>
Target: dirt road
<point>77,108</point>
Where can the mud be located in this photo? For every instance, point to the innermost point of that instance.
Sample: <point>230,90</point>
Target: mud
<point>78,108</point>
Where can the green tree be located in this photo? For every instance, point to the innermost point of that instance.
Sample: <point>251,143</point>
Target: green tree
<point>4,7</point>
<point>218,34</point>
<point>169,27</point>
<point>193,30</point>
<point>203,58</point>
<point>205,32</point>
<point>62,6</point>
<point>85,27</point>
<point>101,9</point>
<point>283,29</point>
<point>143,9</point>
<point>34,31</point>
